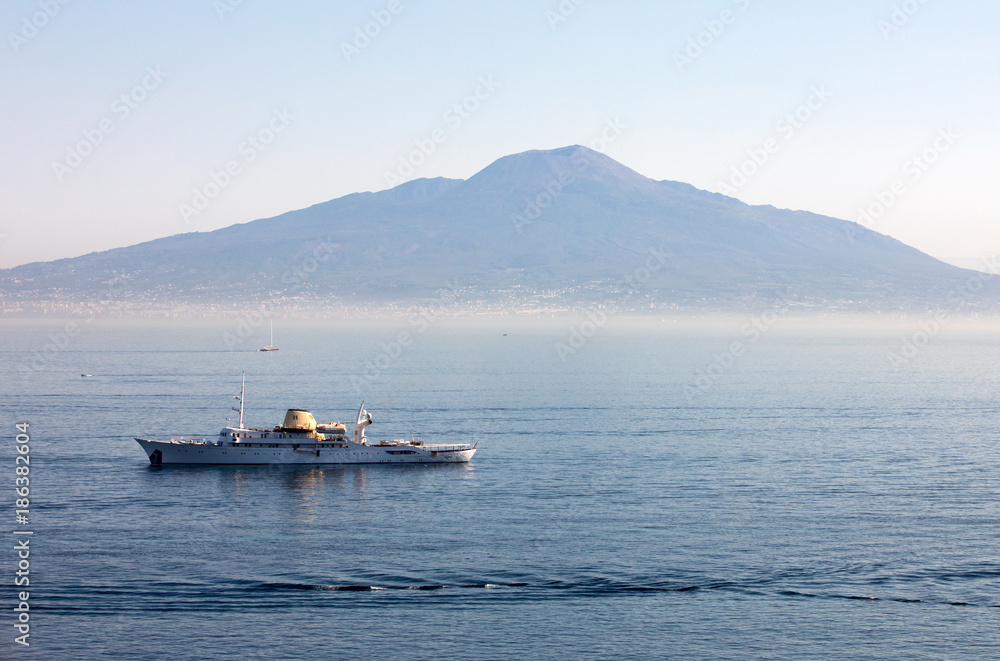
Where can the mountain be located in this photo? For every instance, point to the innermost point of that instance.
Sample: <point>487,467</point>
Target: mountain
<point>557,228</point>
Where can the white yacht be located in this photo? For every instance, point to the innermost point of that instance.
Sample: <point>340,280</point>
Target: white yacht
<point>300,440</point>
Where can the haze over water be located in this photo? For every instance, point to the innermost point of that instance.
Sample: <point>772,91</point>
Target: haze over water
<point>813,502</point>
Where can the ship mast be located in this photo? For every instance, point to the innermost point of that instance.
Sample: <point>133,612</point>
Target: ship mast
<point>243,392</point>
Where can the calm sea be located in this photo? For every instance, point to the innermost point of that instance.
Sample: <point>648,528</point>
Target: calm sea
<point>807,501</point>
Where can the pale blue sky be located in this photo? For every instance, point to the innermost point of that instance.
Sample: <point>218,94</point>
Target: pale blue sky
<point>558,84</point>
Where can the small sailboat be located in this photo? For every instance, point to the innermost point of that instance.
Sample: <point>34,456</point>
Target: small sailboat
<point>270,345</point>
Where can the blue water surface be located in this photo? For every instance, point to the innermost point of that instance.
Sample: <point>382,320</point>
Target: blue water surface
<point>812,501</point>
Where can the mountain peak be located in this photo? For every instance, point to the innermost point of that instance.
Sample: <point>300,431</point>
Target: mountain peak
<point>535,168</point>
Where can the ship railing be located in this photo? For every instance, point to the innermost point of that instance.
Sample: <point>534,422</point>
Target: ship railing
<point>457,447</point>
<point>413,440</point>
<point>416,442</point>
<point>188,440</point>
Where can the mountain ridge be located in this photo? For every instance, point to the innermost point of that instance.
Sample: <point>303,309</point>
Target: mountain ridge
<point>566,226</point>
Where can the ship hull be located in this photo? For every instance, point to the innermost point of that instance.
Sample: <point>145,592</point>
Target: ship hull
<point>174,452</point>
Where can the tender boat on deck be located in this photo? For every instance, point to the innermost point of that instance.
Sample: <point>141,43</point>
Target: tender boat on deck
<point>300,440</point>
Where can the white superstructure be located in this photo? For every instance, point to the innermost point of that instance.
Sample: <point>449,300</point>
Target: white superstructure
<point>299,440</point>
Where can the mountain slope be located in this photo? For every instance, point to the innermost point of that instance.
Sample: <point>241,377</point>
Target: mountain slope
<point>568,220</point>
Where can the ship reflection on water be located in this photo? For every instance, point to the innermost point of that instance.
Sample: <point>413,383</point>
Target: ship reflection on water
<point>306,489</point>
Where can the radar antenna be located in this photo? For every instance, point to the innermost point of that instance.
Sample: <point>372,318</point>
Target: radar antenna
<point>363,420</point>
